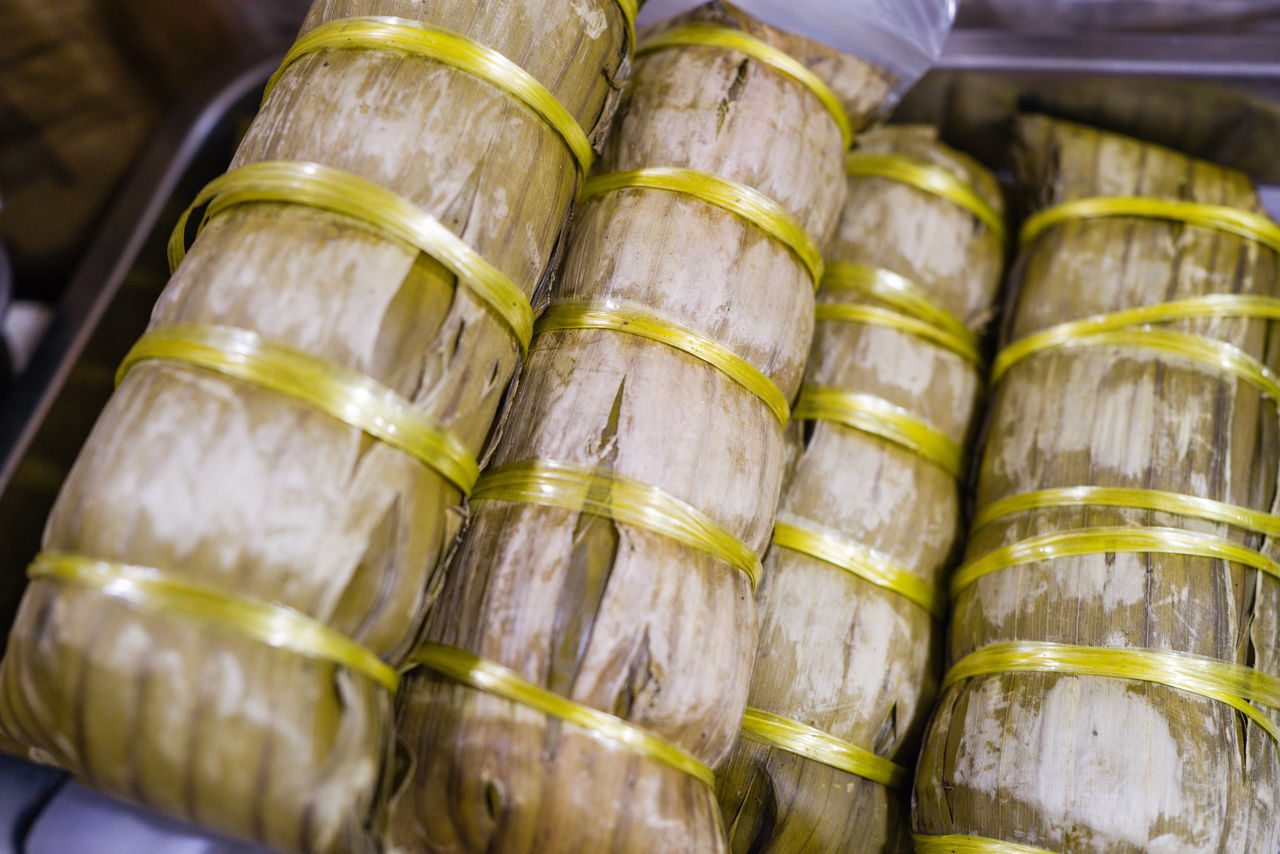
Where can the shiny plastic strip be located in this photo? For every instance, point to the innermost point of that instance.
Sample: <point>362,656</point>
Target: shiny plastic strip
<point>586,315</point>
<point>1091,541</point>
<point>1215,354</point>
<point>794,533</point>
<point>1246,306</point>
<point>493,678</point>
<point>1128,498</point>
<point>746,202</point>
<point>418,39</point>
<point>1237,686</point>
<point>929,177</point>
<point>699,33</point>
<point>266,622</point>
<point>1242,223</point>
<point>879,417</point>
<point>629,10</point>
<point>601,492</point>
<point>338,392</point>
<point>316,186</point>
<point>875,316</point>
<point>812,743</point>
<point>900,293</point>
<point>962,844</point>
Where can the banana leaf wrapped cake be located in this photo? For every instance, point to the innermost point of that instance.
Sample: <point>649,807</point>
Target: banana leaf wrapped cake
<point>242,556</point>
<point>1114,637</point>
<point>589,655</point>
<point>853,598</point>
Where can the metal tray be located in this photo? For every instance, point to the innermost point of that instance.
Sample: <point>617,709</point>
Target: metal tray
<point>1217,97</point>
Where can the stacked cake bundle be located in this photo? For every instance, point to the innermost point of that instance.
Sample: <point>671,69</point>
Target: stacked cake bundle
<point>853,599</point>
<point>1114,643</point>
<point>590,654</point>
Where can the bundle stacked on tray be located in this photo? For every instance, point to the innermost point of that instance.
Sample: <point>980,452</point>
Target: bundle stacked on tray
<point>589,656</point>
<point>1114,637</point>
<point>239,561</point>
<point>853,599</point>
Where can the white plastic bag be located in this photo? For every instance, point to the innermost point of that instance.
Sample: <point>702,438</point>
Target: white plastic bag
<point>903,36</point>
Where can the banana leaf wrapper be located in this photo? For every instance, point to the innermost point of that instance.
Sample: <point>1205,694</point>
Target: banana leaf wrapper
<point>609,614</point>
<point>837,652</point>
<point>1072,763</point>
<point>236,487</point>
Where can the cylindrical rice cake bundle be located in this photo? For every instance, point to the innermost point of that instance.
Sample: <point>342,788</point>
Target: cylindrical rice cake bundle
<point>1114,636</point>
<point>591,649</point>
<point>853,598</point>
<point>242,556</point>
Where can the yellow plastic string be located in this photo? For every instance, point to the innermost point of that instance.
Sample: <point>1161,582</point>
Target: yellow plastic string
<point>489,676</point>
<point>798,535</point>
<point>629,9</point>
<point>882,317</point>
<point>900,293</point>
<point>322,187</point>
<point>700,33</point>
<point>1130,498</point>
<point>930,178</point>
<point>346,395</point>
<point>266,622</point>
<point>963,844</point>
<point>1207,306</point>
<point>600,492</point>
<point>418,39</point>
<point>1215,354</point>
<point>812,743</point>
<point>1089,541</point>
<point>879,417</point>
<point>1242,223</point>
<point>746,202</point>
<point>1237,686</point>
<point>634,321</point>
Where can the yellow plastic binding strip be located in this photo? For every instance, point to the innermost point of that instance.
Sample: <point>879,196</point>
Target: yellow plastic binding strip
<point>1089,541</point>
<point>963,844</point>
<point>615,496</point>
<point>489,676</point>
<point>867,563</point>
<point>1207,509</point>
<point>586,315</point>
<point>418,39</point>
<point>881,418</point>
<point>875,316</point>
<point>930,178</point>
<point>1201,307</point>
<point>746,202</point>
<point>317,186</point>
<point>266,622</point>
<point>629,9</point>
<point>1234,684</point>
<point>1197,348</point>
<point>900,293</point>
<point>1242,223</point>
<point>700,33</point>
<point>812,743</point>
<point>346,395</point>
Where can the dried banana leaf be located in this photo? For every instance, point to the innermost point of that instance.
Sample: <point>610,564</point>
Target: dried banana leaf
<point>837,652</point>
<point>232,486</point>
<point>604,612</point>
<point>1088,763</point>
